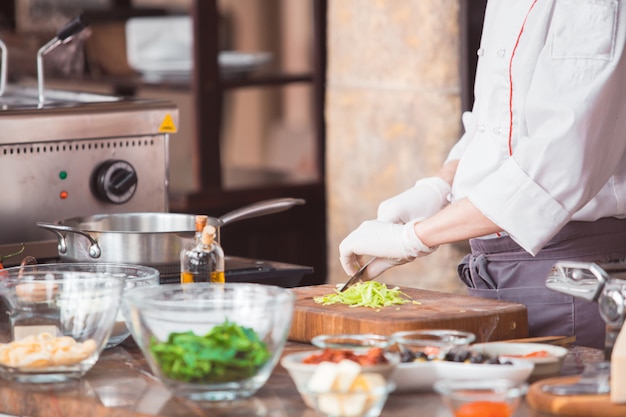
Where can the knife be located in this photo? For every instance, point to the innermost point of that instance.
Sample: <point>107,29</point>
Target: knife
<point>550,340</point>
<point>357,276</point>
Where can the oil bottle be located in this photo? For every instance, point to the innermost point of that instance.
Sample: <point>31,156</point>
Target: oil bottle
<point>203,259</point>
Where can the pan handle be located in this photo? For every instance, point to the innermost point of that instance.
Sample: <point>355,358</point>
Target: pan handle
<point>259,209</point>
<point>57,229</point>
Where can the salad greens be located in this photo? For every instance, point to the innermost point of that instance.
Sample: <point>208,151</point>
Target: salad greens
<point>372,294</point>
<point>228,352</point>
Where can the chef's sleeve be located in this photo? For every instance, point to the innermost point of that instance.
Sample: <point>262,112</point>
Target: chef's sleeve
<point>574,136</point>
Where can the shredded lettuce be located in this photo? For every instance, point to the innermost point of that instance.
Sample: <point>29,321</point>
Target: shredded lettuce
<point>372,294</point>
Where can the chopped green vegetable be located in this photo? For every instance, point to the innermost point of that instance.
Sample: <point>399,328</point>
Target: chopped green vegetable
<point>228,352</point>
<point>372,294</point>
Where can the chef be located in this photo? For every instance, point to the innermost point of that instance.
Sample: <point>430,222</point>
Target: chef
<point>539,174</point>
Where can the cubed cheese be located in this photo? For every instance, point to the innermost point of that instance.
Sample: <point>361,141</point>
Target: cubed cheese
<point>324,377</point>
<point>368,382</point>
<point>347,372</point>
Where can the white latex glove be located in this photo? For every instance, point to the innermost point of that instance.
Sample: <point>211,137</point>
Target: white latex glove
<point>425,198</point>
<point>392,244</point>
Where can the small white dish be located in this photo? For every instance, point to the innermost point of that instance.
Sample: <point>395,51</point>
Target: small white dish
<point>518,371</point>
<point>422,375</point>
<point>414,376</point>
<point>548,359</point>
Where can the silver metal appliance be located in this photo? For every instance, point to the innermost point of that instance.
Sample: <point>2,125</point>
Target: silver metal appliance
<point>604,284</point>
<point>65,154</point>
<point>77,155</point>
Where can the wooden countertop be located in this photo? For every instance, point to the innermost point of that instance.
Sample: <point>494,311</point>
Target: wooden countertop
<point>120,385</point>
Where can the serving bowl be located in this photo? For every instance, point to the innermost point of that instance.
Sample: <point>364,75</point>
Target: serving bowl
<point>59,322</point>
<point>133,276</point>
<point>481,397</point>
<point>430,344</point>
<point>210,342</point>
<point>301,372</point>
<point>422,375</point>
<point>548,359</point>
<point>353,342</point>
<point>357,403</point>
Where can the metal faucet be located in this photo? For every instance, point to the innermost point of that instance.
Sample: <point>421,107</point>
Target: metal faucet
<point>65,35</point>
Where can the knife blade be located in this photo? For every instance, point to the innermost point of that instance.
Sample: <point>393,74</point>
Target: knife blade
<point>357,276</point>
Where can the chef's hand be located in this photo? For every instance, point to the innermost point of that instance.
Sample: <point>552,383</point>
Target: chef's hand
<point>392,244</point>
<point>425,198</point>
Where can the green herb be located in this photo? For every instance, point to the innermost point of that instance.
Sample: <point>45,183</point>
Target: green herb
<point>371,294</point>
<point>228,352</point>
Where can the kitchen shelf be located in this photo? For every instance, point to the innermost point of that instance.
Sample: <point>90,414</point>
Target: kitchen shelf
<point>265,80</point>
<point>298,235</point>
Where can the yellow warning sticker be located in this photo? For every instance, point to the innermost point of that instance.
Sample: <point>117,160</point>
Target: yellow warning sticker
<point>167,126</point>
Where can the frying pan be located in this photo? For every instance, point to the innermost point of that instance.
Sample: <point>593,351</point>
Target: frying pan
<point>143,238</point>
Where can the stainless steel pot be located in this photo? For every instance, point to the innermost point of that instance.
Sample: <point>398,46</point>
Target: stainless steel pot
<point>142,238</point>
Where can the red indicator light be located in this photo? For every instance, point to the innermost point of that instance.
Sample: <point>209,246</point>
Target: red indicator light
<point>63,195</point>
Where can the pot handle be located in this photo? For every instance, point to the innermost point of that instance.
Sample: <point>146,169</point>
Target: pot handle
<point>259,209</point>
<point>94,248</point>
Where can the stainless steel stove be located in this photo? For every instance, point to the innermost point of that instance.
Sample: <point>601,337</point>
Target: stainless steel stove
<point>79,154</point>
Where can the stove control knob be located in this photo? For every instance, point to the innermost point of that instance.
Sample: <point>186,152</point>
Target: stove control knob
<point>115,181</point>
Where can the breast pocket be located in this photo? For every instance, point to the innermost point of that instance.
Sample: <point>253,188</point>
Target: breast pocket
<point>584,29</point>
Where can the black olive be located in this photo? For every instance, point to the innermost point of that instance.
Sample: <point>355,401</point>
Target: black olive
<point>477,358</point>
<point>461,356</point>
<point>407,356</point>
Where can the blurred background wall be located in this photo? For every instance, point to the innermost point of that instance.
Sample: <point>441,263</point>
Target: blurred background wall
<point>393,112</point>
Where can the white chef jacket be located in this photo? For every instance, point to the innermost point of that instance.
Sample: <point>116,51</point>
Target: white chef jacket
<point>545,142</point>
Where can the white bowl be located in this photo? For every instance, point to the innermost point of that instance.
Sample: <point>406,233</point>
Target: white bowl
<point>414,376</point>
<point>549,365</point>
<point>422,375</point>
<point>301,372</point>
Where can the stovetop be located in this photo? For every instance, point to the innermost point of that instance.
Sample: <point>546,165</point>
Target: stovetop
<point>238,269</point>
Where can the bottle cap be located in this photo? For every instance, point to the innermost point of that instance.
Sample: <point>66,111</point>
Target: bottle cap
<point>201,221</point>
<point>208,234</point>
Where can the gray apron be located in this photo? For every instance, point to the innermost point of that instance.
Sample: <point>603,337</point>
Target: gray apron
<point>500,269</point>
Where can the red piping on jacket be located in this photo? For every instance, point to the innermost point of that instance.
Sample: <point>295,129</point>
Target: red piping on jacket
<point>519,36</point>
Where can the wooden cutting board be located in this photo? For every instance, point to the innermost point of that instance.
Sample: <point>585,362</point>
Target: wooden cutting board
<point>488,319</point>
<point>572,405</point>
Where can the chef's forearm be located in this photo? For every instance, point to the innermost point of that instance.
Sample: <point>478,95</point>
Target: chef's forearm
<point>459,221</point>
<point>448,170</point>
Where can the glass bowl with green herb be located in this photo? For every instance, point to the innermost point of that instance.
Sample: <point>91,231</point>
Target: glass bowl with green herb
<point>210,342</point>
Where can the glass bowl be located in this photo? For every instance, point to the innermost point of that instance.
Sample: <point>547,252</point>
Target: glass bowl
<point>133,275</point>
<point>353,342</point>
<point>301,371</point>
<point>481,397</point>
<point>430,344</point>
<point>59,322</point>
<point>357,403</point>
<point>210,342</point>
